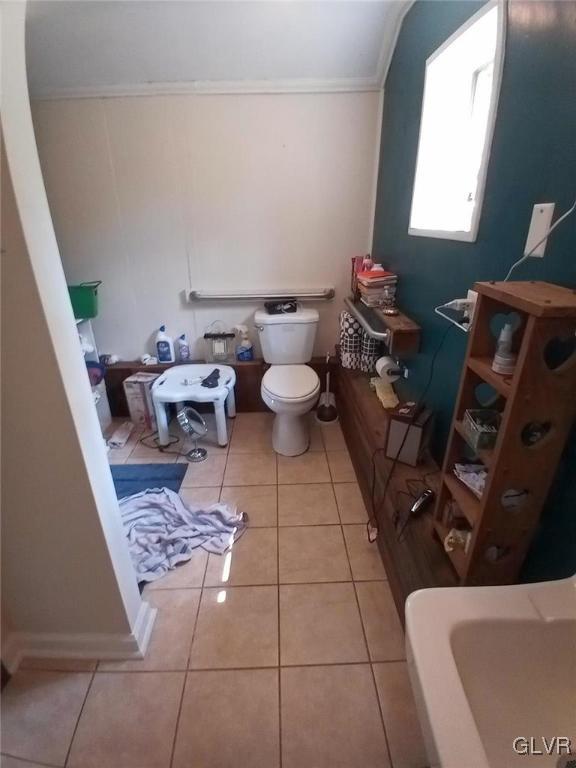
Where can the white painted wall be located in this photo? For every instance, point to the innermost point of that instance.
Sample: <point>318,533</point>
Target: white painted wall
<point>68,585</point>
<point>157,195</point>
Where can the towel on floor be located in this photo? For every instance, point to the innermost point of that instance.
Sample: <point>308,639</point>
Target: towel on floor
<point>163,531</point>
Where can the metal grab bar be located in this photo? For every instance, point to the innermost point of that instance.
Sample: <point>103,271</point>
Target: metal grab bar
<point>361,313</point>
<point>324,295</point>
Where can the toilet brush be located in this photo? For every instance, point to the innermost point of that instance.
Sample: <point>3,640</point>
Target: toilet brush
<point>326,410</point>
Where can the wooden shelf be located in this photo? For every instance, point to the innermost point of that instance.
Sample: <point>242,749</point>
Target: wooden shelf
<point>482,366</point>
<point>463,496</point>
<point>484,454</point>
<point>398,332</point>
<point>413,561</point>
<point>535,393</point>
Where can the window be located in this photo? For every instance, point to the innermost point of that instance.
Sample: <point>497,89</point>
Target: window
<point>458,114</point>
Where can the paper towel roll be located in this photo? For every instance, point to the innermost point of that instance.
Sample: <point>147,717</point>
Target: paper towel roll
<point>387,369</point>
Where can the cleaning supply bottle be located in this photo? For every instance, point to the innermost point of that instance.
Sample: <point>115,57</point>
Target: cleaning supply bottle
<point>505,360</point>
<point>183,349</point>
<point>245,349</point>
<point>164,346</point>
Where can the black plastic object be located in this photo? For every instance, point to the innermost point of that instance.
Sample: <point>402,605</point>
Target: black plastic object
<point>281,307</point>
<point>422,503</point>
<point>211,381</point>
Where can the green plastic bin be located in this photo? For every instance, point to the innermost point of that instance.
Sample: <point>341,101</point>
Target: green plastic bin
<point>84,298</point>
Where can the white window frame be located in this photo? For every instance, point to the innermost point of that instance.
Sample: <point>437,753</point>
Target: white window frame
<point>472,235</point>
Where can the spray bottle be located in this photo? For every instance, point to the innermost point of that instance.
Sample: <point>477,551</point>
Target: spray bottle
<point>245,349</point>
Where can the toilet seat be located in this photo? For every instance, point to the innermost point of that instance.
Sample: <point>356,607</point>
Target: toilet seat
<point>291,382</point>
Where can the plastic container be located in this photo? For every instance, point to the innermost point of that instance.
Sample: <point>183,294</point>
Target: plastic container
<point>84,298</point>
<point>481,427</point>
<point>183,348</point>
<point>164,346</point>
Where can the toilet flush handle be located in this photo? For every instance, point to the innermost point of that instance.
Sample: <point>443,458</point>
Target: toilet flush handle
<point>259,328</point>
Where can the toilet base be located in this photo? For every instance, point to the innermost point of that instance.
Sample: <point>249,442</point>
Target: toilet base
<point>290,434</point>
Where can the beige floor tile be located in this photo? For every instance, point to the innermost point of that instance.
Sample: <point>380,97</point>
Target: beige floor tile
<point>333,437</point>
<point>171,635</point>
<point>259,503</point>
<point>252,560</point>
<point>184,576</point>
<point>200,497</point>
<point>400,716</point>
<point>142,451</point>
<point>364,556</point>
<point>206,474</point>
<point>350,503</point>
<point>330,717</point>
<point>209,442</point>
<point>320,624</point>
<point>237,627</point>
<point>310,467</point>
<point>341,468</point>
<point>229,719</point>
<point>316,442</point>
<point>128,721</point>
<point>161,458</point>
<point>39,713</point>
<point>59,665</point>
<point>312,553</point>
<point>115,459</point>
<point>381,623</point>
<point>307,504</point>
<point>250,469</point>
<point>12,762</point>
<point>252,433</point>
<point>119,454</point>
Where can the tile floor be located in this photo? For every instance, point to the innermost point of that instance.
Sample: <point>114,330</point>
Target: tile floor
<point>295,658</point>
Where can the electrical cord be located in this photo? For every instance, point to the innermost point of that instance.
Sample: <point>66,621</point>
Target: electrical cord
<point>531,251</point>
<point>372,523</point>
<point>161,449</point>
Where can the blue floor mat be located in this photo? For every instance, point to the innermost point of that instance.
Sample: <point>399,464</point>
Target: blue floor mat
<point>134,478</point>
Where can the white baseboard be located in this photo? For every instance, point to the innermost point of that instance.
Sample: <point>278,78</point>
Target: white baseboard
<point>89,645</point>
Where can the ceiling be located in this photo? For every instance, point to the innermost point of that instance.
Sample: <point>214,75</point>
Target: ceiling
<point>95,47</point>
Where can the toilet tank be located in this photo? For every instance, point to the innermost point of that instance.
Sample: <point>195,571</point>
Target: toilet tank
<point>287,339</point>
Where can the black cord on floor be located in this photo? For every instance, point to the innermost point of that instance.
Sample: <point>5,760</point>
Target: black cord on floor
<point>373,520</point>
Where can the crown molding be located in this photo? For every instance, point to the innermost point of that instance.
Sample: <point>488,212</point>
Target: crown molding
<point>212,88</point>
<point>387,51</point>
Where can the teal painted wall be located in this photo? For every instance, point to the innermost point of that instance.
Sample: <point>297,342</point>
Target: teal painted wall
<point>533,159</point>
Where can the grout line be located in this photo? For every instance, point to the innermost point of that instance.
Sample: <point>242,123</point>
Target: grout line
<point>92,678</point>
<point>279,618</point>
<point>172,670</point>
<point>31,762</point>
<point>177,723</point>
<point>371,667</point>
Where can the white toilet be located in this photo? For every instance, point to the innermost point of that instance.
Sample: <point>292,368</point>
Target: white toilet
<point>289,388</point>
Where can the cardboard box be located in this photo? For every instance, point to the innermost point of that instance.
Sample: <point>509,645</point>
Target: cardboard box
<point>138,390</point>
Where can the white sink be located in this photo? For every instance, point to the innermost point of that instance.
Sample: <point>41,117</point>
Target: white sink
<point>489,665</point>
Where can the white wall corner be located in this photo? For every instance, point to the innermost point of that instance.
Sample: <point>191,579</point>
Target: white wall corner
<point>20,645</point>
<point>389,45</point>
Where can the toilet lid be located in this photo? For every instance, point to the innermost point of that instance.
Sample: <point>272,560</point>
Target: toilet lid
<point>290,382</point>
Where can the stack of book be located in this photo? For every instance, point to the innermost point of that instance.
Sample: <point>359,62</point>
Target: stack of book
<point>377,287</point>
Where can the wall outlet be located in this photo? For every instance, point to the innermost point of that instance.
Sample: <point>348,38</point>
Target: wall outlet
<point>539,224</point>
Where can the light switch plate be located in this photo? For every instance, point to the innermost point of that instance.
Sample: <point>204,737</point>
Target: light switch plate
<point>539,224</point>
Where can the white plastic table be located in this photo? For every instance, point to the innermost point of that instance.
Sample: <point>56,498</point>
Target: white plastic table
<point>182,384</point>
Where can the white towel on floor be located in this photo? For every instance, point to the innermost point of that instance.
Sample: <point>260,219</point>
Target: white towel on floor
<point>163,531</point>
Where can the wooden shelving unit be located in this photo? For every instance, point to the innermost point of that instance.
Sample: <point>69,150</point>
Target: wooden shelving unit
<point>538,399</point>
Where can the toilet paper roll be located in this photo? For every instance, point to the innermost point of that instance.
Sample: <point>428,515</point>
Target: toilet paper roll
<point>387,369</point>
